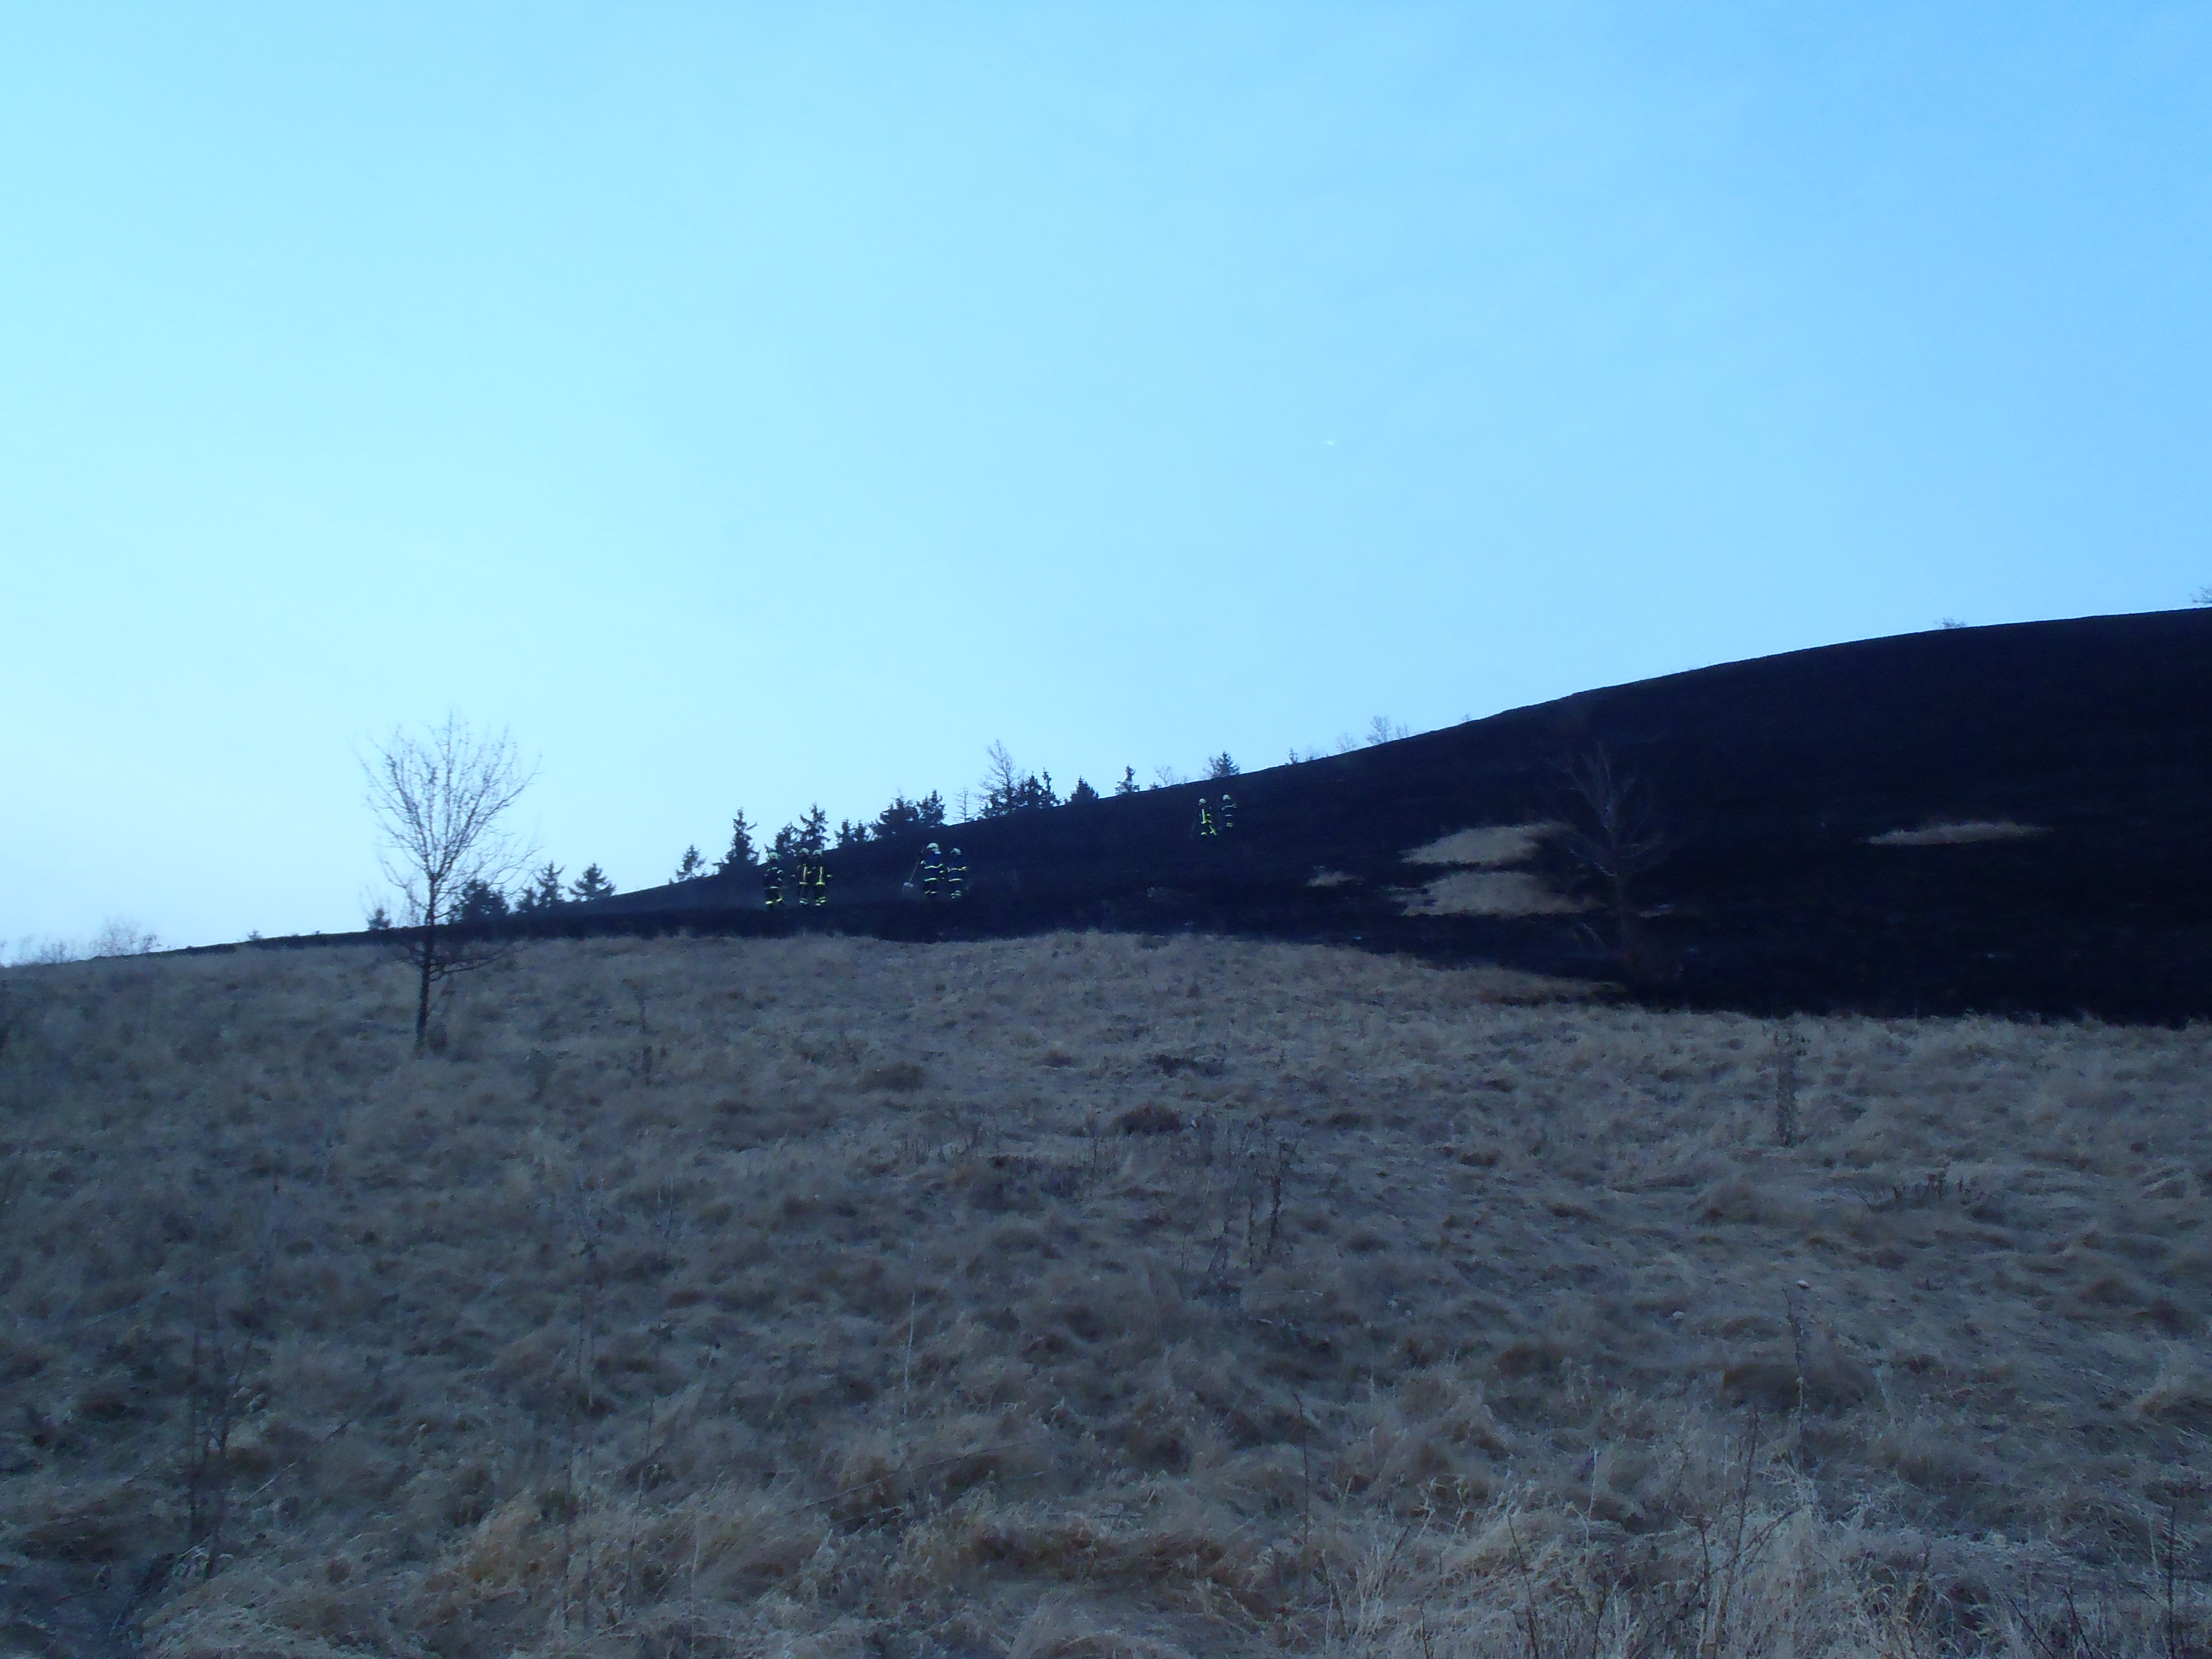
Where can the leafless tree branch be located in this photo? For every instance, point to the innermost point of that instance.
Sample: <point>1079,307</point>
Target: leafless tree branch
<point>1616,833</point>
<point>440,797</point>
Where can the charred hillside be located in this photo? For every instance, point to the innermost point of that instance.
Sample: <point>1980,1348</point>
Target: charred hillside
<point>2009,819</point>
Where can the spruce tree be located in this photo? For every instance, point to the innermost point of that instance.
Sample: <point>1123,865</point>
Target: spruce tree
<point>1032,793</point>
<point>543,893</point>
<point>1082,795</point>
<point>690,867</point>
<point>814,832</point>
<point>1220,766</point>
<point>1007,788</point>
<point>741,855</point>
<point>477,901</point>
<point>1128,785</point>
<point>591,884</point>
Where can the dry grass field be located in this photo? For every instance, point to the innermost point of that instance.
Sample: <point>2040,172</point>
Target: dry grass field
<point>1086,1295</point>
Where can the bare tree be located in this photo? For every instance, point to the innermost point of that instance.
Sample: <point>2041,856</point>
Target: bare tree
<point>1616,835</point>
<point>49,952</point>
<point>118,936</point>
<point>1001,777</point>
<point>440,798</point>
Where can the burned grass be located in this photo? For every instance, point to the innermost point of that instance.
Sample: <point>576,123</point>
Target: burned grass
<point>1084,1295</point>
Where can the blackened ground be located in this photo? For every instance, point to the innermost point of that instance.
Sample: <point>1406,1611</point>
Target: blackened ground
<point>1770,777</point>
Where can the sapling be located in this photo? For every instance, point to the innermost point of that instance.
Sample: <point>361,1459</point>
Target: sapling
<point>1788,1046</point>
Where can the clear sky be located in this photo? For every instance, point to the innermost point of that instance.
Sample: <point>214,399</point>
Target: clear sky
<point>751,406</point>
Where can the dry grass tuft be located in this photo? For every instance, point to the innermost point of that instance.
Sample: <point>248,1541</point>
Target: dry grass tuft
<point>1494,848</point>
<point>1956,835</point>
<point>2180,1394</point>
<point>1479,885</point>
<point>1491,893</point>
<point>1082,1295</point>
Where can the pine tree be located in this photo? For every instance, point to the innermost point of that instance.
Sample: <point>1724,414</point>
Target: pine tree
<point>591,884</point>
<point>903,817</point>
<point>896,820</point>
<point>786,845</point>
<point>850,834</point>
<point>741,855</point>
<point>691,868</point>
<point>1032,793</point>
<point>813,832</point>
<point>1006,788</point>
<point>543,893</point>
<point>1082,795</point>
<point>1128,785</point>
<point>1220,766</point>
<point>477,901</point>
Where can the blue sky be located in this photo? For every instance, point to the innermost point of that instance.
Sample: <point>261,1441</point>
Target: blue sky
<point>751,406</point>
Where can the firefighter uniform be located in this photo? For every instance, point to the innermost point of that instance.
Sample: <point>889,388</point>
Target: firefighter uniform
<point>956,874</point>
<point>1205,825</point>
<point>932,871</point>
<point>1226,813</point>
<point>772,881</point>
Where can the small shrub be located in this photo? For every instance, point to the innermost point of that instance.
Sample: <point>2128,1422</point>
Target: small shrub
<point>1150,1119</point>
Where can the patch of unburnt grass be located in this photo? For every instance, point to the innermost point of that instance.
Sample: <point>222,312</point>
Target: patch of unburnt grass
<point>1329,1303</point>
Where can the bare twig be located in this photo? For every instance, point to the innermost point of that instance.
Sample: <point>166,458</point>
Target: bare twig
<point>1617,834</point>
<point>1527,1589</point>
<point>1788,1049</point>
<point>439,799</point>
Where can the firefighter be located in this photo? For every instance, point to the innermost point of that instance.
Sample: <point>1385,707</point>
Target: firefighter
<point>1205,826</point>
<point>820,893</point>
<point>956,874</point>
<point>1226,813</point>
<point>772,881</point>
<point>932,871</point>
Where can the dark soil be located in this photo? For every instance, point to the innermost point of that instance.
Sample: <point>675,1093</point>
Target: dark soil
<point>1769,778</point>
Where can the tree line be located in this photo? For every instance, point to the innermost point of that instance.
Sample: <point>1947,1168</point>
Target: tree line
<point>1006,789</point>
<point>441,797</point>
<point>478,900</point>
<point>811,836</point>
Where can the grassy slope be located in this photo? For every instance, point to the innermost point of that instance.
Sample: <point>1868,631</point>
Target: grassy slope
<point>808,1296</point>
